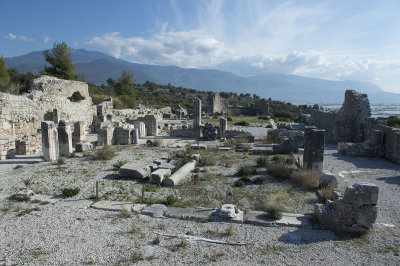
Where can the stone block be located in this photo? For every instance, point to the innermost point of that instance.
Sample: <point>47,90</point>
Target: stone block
<point>134,170</point>
<point>83,146</point>
<point>180,174</point>
<point>155,210</point>
<point>157,176</point>
<point>328,180</point>
<point>49,141</point>
<point>366,216</point>
<point>362,194</point>
<point>64,138</point>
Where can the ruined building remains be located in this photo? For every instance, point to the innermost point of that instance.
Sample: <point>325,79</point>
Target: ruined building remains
<point>214,104</point>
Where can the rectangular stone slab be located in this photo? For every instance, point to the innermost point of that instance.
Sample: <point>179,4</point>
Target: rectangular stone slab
<point>134,170</point>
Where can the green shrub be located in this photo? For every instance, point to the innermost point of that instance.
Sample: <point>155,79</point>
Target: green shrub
<point>118,165</point>
<point>393,121</point>
<point>287,159</point>
<point>262,161</point>
<point>151,188</point>
<point>229,119</point>
<point>171,200</point>
<point>60,161</point>
<point>263,118</point>
<point>242,182</point>
<point>258,181</point>
<point>156,241</point>
<point>245,171</point>
<point>279,170</point>
<point>70,192</point>
<point>274,213</point>
<point>242,123</point>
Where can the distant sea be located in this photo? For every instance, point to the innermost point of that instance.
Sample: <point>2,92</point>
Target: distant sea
<point>376,110</point>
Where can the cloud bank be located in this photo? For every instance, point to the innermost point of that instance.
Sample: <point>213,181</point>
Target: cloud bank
<point>23,38</point>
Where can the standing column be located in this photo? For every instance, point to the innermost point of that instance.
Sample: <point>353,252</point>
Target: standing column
<point>223,125</point>
<point>196,118</point>
<point>64,139</point>
<point>49,141</point>
<point>313,157</point>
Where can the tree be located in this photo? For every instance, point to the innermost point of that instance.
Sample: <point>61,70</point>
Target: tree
<point>4,76</point>
<point>61,65</point>
<point>124,84</point>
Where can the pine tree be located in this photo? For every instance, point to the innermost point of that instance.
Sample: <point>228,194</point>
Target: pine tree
<point>4,76</point>
<point>61,65</point>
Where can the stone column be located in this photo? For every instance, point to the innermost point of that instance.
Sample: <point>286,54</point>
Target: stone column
<point>313,157</point>
<point>79,131</point>
<point>64,139</point>
<point>136,136</point>
<point>196,118</point>
<point>223,125</point>
<point>150,122</point>
<point>49,141</point>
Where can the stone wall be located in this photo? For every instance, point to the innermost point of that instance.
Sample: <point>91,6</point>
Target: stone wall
<point>29,144</point>
<point>214,104</point>
<point>391,143</point>
<point>350,124</point>
<point>7,147</point>
<point>181,132</point>
<point>22,115</point>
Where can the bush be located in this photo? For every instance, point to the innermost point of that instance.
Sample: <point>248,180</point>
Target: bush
<point>242,123</point>
<point>207,160</point>
<point>306,179</point>
<point>274,213</point>
<point>325,193</point>
<point>118,165</point>
<point>287,159</point>
<point>279,170</point>
<point>60,161</point>
<point>262,161</point>
<point>242,182</point>
<point>245,171</point>
<point>171,200</point>
<point>229,119</point>
<point>70,192</point>
<point>156,241</point>
<point>103,154</point>
<point>393,121</point>
<point>150,188</point>
<point>263,118</point>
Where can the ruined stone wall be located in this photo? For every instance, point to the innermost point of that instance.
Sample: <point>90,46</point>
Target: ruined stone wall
<point>326,120</point>
<point>214,104</point>
<point>22,114</point>
<point>391,142</point>
<point>261,107</point>
<point>7,146</point>
<point>181,132</point>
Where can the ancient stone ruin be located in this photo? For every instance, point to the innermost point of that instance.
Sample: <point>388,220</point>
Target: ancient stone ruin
<point>355,212</point>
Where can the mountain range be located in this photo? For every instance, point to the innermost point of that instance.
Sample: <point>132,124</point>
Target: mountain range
<point>98,67</point>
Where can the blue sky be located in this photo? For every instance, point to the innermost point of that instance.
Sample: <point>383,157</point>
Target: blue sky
<point>333,39</point>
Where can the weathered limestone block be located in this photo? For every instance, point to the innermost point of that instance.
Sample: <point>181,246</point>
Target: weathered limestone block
<point>105,136</point>
<point>157,176</point>
<point>362,194</point>
<point>134,170</point>
<point>355,213</point>
<point>180,174</point>
<point>83,146</point>
<point>123,136</point>
<point>64,138</point>
<point>327,179</point>
<point>228,212</point>
<point>313,156</point>
<point>79,131</point>
<point>49,141</point>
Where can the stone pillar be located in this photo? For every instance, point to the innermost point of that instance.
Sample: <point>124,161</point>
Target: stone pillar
<point>79,131</point>
<point>196,118</point>
<point>313,157</point>
<point>123,136</point>
<point>136,136</point>
<point>64,139</point>
<point>105,136</point>
<point>223,126</point>
<point>49,141</point>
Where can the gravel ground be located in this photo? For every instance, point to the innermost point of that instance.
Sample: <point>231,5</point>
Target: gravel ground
<point>68,232</point>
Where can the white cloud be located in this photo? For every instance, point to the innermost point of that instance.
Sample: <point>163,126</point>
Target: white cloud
<point>46,39</point>
<point>182,48</point>
<point>23,38</point>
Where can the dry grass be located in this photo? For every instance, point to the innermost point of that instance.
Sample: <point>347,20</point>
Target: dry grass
<point>325,193</point>
<point>103,154</point>
<point>279,169</point>
<point>306,179</point>
<point>157,142</point>
<point>233,142</point>
<point>124,213</point>
<point>207,159</point>
<point>271,140</point>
